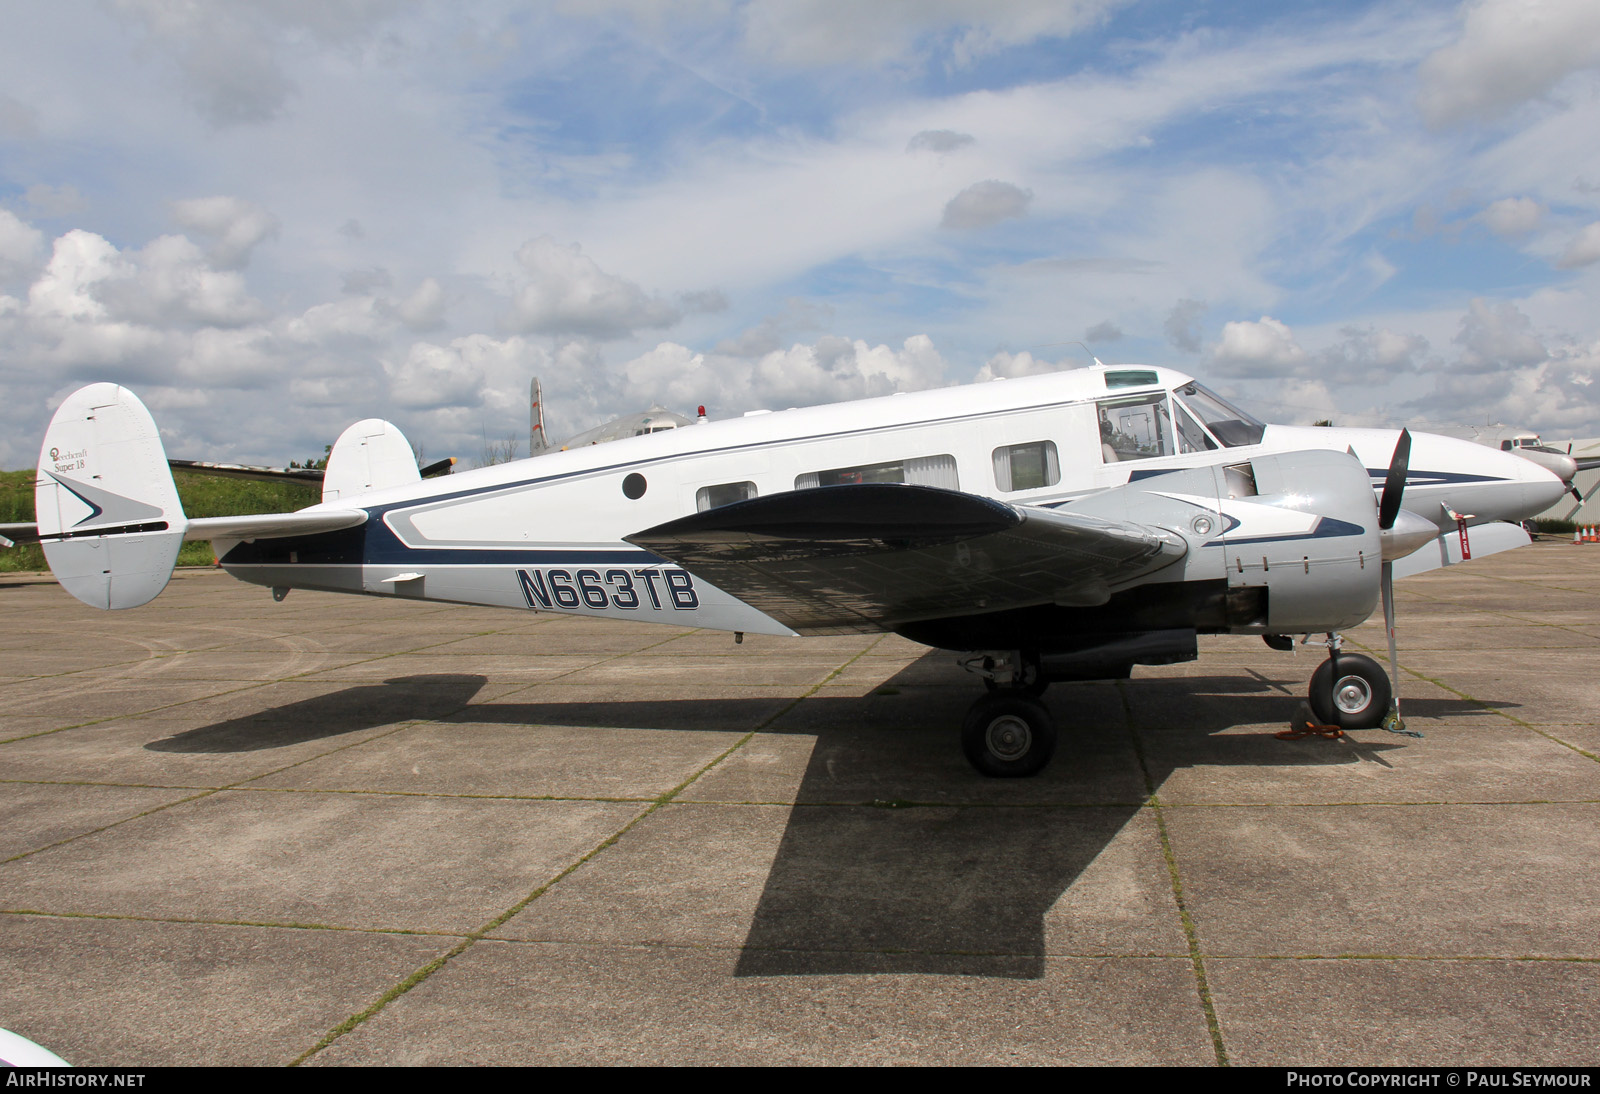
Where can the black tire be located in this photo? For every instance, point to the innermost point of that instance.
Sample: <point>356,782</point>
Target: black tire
<point>1357,699</point>
<point>1008,736</point>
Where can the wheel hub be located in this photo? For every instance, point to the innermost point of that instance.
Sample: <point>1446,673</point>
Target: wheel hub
<point>1352,695</point>
<point>1009,737</point>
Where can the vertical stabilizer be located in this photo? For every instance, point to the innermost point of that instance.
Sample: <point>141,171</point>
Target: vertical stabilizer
<point>371,455</point>
<point>108,513</point>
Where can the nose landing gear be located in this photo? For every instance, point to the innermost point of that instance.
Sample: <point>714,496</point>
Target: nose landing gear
<point>1351,691</point>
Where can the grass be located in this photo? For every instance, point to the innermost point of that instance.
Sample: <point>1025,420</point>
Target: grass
<point>202,496</point>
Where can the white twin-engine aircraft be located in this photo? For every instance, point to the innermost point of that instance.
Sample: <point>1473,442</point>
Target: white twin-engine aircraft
<point>1058,527</point>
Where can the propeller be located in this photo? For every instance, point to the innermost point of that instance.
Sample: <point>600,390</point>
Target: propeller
<point>1394,486</point>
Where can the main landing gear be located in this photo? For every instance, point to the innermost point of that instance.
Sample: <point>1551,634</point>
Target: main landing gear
<point>1008,733</point>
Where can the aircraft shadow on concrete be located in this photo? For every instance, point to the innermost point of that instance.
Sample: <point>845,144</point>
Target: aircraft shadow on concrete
<point>898,857</point>
<point>366,706</point>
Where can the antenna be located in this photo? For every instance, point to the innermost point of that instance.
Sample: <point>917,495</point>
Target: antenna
<point>537,441</point>
<point>1080,345</point>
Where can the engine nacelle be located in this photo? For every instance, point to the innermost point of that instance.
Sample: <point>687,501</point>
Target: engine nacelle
<point>1302,553</point>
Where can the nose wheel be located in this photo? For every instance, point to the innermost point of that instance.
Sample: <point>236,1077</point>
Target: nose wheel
<point>1008,736</point>
<point>1351,691</point>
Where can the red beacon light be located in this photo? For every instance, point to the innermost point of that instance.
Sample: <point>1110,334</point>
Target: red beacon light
<point>701,419</point>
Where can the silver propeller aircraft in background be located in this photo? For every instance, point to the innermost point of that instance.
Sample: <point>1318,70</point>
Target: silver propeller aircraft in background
<point>1058,527</point>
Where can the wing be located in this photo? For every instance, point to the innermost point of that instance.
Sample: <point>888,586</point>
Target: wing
<point>843,559</point>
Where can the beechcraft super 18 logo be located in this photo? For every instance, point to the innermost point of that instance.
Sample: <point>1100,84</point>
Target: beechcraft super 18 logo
<point>615,588</point>
<point>69,461</point>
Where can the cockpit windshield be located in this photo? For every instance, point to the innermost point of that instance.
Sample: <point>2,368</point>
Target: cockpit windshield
<point>1232,426</point>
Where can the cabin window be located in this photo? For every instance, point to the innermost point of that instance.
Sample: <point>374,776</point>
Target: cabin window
<point>919,471</point>
<point>1027,466</point>
<point>1135,427</point>
<point>715,497</point>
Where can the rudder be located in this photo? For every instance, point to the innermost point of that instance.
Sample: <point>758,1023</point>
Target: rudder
<point>108,513</point>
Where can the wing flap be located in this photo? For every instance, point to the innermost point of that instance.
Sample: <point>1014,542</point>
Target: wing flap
<point>844,559</point>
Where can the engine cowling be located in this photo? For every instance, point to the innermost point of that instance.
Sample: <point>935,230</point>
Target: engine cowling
<point>1303,552</point>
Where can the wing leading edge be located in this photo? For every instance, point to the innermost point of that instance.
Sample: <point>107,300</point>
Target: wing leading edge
<point>844,559</point>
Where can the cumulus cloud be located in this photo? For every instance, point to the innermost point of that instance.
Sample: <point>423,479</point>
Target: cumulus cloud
<point>1255,349</point>
<point>434,376</point>
<point>984,204</point>
<point>830,370</point>
<point>233,225</point>
<point>1554,396</point>
<point>170,283</point>
<point>938,140</point>
<point>1105,331</point>
<point>360,282</point>
<point>703,301</point>
<point>20,247</point>
<point>229,54</point>
<point>1496,335</point>
<point>424,308</point>
<point>1512,218</point>
<point>768,335</point>
<point>1583,250</point>
<point>1005,365</point>
<point>568,293</point>
<point>1182,327</point>
<point>1509,51</point>
<point>1371,357</point>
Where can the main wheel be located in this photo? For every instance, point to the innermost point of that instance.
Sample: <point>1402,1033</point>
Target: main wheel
<point>1008,736</point>
<point>1357,698</point>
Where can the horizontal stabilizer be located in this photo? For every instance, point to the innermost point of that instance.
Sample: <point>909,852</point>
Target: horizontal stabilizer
<point>874,556</point>
<point>275,525</point>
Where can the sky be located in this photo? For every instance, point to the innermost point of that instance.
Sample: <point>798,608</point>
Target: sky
<point>271,218</point>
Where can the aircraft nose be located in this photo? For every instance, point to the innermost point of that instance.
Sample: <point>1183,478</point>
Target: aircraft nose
<point>1539,487</point>
<point>1487,483</point>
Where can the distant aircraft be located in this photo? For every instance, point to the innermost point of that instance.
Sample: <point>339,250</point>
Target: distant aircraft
<point>1563,465</point>
<point>1058,527</point>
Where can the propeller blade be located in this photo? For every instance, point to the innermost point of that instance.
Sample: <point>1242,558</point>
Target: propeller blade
<point>1394,484</point>
<point>1387,585</point>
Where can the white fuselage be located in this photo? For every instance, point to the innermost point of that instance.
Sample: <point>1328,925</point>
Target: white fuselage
<point>548,533</point>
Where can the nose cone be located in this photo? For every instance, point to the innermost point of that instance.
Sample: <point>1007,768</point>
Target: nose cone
<point>1470,478</point>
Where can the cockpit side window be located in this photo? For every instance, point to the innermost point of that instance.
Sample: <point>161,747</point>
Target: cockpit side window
<point>1191,438</point>
<point>1135,427</point>
<point>1230,425</point>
